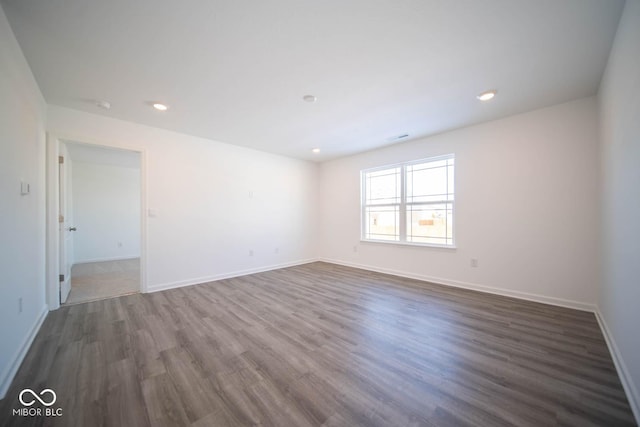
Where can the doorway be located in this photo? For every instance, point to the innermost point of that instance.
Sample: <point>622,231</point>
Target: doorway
<point>100,222</point>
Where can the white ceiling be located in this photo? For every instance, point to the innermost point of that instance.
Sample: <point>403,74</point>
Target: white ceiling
<point>235,71</point>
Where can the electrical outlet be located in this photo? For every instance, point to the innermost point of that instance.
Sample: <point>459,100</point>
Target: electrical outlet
<point>250,252</point>
<point>119,244</point>
<point>355,248</point>
<point>276,250</point>
<point>20,305</point>
<point>474,262</point>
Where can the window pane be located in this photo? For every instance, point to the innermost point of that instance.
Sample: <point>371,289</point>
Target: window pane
<point>382,223</point>
<point>430,223</point>
<point>382,187</point>
<point>430,182</point>
<point>450,185</point>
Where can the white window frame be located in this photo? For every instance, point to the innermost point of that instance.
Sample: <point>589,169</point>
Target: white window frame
<point>403,204</point>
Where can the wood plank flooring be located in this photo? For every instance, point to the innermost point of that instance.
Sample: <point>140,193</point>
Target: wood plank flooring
<point>321,344</point>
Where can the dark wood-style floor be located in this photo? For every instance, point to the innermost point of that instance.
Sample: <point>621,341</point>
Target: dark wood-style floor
<point>321,344</point>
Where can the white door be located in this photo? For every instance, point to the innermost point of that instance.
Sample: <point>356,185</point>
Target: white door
<point>65,232</point>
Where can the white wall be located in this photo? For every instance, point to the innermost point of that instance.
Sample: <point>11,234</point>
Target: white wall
<point>106,211</point>
<point>620,152</point>
<point>22,261</point>
<point>526,207</point>
<point>211,202</point>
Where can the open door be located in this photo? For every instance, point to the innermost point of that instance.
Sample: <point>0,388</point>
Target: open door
<point>65,230</point>
<point>63,214</point>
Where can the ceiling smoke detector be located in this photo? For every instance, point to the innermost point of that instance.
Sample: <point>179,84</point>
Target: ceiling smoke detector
<point>103,104</point>
<point>398,137</point>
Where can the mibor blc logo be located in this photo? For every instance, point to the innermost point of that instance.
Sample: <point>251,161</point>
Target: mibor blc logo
<point>46,398</point>
<point>34,397</point>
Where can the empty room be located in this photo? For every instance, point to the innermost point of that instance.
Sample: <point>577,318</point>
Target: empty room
<point>320,213</point>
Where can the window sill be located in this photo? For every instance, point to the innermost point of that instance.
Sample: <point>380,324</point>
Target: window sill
<point>415,245</point>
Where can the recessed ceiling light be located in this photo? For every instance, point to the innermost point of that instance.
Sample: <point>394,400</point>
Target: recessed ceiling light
<point>103,104</point>
<point>309,98</point>
<point>160,107</point>
<point>487,95</point>
<point>315,150</point>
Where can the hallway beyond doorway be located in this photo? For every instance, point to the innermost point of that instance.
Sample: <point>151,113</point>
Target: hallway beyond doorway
<point>98,280</point>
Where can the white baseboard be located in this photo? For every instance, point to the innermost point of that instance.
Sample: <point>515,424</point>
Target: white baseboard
<point>199,280</point>
<point>627,382</point>
<point>12,368</point>
<point>578,305</point>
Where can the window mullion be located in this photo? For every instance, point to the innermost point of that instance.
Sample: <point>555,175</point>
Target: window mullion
<point>403,204</point>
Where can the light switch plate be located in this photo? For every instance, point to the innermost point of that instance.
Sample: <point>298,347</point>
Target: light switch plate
<point>24,188</point>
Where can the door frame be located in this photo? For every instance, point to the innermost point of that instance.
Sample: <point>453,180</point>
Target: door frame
<point>52,210</point>
<point>64,230</point>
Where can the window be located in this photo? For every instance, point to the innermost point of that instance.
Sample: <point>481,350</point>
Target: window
<point>410,203</point>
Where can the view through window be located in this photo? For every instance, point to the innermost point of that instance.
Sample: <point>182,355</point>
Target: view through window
<point>411,202</point>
